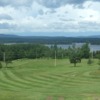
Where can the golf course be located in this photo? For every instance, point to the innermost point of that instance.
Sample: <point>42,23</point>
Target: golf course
<point>40,79</point>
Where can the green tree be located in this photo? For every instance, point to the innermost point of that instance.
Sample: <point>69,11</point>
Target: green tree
<point>99,62</point>
<point>74,55</point>
<point>53,49</point>
<point>89,61</point>
<point>85,51</point>
<point>8,58</point>
<point>0,65</point>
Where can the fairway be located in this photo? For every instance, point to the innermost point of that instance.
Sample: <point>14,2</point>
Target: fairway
<point>39,79</point>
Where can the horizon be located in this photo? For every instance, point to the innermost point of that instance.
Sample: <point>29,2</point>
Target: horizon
<point>55,34</point>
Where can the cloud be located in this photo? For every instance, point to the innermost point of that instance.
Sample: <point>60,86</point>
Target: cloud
<point>51,15</point>
<point>6,26</point>
<point>58,3</point>
<point>16,2</point>
<point>51,11</point>
<point>5,17</point>
<point>89,26</point>
<point>41,12</point>
<point>47,3</point>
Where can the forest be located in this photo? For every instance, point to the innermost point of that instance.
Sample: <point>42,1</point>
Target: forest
<point>48,40</point>
<point>34,51</point>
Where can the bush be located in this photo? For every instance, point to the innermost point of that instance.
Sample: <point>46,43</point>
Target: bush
<point>89,61</point>
<point>0,65</point>
<point>8,62</point>
<point>99,62</point>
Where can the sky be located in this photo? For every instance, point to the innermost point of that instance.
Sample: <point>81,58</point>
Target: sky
<point>50,17</point>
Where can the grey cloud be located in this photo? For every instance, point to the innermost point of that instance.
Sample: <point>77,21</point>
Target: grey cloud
<point>16,2</point>
<point>96,0</point>
<point>41,12</point>
<point>6,26</point>
<point>3,3</point>
<point>58,3</point>
<point>89,25</point>
<point>5,17</point>
<point>62,26</point>
<point>63,19</point>
<point>51,11</point>
<point>46,3</point>
<point>91,15</point>
<point>81,26</point>
<point>36,14</point>
<point>82,17</point>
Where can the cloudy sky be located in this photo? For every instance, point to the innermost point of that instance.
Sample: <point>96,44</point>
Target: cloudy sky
<point>50,17</point>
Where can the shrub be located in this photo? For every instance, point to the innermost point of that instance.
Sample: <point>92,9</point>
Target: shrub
<point>0,65</point>
<point>99,62</point>
<point>89,61</point>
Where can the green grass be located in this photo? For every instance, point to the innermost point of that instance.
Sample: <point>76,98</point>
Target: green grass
<point>41,80</point>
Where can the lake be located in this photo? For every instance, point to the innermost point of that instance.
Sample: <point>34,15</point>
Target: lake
<point>66,46</point>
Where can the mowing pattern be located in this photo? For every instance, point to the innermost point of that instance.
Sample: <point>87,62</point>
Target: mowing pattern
<point>66,84</point>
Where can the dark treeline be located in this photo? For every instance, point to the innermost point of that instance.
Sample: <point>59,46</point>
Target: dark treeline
<point>49,40</point>
<point>34,51</point>
<point>31,51</point>
<point>96,54</point>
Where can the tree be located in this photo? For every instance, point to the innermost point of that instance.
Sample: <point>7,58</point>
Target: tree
<point>1,55</point>
<point>85,50</point>
<point>99,62</point>
<point>8,58</point>
<point>8,62</point>
<point>0,65</point>
<point>53,49</point>
<point>74,55</point>
<point>89,61</point>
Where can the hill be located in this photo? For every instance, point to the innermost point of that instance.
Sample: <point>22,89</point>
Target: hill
<point>5,38</point>
<point>8,35</point>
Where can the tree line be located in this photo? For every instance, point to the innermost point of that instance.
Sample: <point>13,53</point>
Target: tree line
<point>48,40</point>
<point>31,51</point>
<point>35,51</point>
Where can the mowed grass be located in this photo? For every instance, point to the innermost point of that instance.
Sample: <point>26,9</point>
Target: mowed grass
<point>40,80</point>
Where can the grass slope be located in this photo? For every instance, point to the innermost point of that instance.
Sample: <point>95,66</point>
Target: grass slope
<point>41,80</point>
